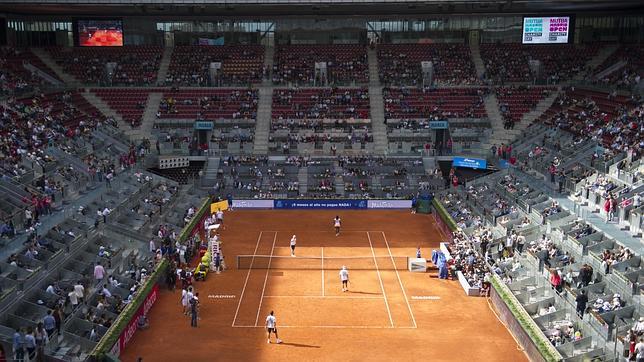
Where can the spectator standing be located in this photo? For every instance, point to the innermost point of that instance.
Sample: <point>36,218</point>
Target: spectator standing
<point>73,299</point>
<point>582,300</point>
<point>639,350</point>
<point>49,323</point>
<point>18,345</point>
<point>194,310</point>
<point>99,272</point>
<point>555,280</point>
<point>41,337</point>
<point>30,343</point>
<point>79,289</point>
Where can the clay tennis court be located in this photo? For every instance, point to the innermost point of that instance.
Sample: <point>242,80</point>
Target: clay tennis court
<point>389,313</point>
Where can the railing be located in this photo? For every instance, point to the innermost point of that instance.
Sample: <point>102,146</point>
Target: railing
<point>547,351</point>
<point>113,334</point>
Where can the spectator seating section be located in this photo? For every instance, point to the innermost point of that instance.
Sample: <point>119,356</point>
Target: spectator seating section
<point>509,61</point>
<point>211,104</point>
<point>346,64</point>
<point>400,64</point>
<point>129,103</point>
<point>136,65</point>
<point>321,103</point>
<point>517,101</point>
<point>240,64</point>
<point>633,55</point>
<point>410,103</point>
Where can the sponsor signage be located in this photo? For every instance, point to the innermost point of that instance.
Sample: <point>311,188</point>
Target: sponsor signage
<point>475,163</point>
<point>388,204</point>
<point>132,327</point>
<point>438,124</point>
<point>320,204</point>
<point>204,125</point>
<point>253,204</point>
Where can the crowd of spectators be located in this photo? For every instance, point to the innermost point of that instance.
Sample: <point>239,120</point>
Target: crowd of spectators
<point>509,62</point>
<point>135,65</point>
<point>400,64</point>
<point>206,104</point>
<point>320,103</point>
<point>433,104</point>
<point>617,123</point>
<point>345,63</point>
<point>627,76</point>
<point>240,65</point>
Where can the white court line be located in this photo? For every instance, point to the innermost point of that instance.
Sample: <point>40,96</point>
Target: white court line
<point>247,275</point>
<point>380,279</point>
<point>268,269</point>
<point>336,327</point>
<point>400,281</point>
<point>325,231</point>
<point>325,297</point>
<point>323,271</point>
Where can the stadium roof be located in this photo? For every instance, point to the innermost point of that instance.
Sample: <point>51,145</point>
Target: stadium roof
<point>224,8</point>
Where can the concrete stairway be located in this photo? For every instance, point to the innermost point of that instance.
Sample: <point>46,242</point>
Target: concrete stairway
<point>269,53</point>
<point>478,61</point>
<point>210,174</point>
<point>149,117</point>
<point>541,107</point>
<point>499,135</point>
<point>376,105</point>
<point>104,108</point>
<point>374,75</point>
<point>164,65</point>
<point>263,122</point>
<point>303,179</point>
<point>378,126</point>
<point>338,181</point>
<point>47,59</point>
<point>429,164</point>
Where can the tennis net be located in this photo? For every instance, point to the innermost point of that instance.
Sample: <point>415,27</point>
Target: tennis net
<point>321,263</point>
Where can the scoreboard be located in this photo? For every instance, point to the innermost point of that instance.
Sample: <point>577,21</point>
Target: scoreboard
<point>540,30</point>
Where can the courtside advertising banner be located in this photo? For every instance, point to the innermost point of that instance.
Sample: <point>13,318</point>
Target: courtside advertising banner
<point>388,204</point>
<point>221,205</point>
<point>253,204</point>
<point>320,204</point>
<point>132,326</point>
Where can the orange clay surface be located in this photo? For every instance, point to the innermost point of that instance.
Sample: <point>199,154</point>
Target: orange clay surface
<point>381,318</point>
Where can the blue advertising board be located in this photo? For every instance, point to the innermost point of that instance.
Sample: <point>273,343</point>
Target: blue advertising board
<point>475,163</point>
<point>438,124</point>
<point>320,204</point>
<point>204,125</point>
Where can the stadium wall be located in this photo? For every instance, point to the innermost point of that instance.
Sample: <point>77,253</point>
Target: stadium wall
<point>317,204</point>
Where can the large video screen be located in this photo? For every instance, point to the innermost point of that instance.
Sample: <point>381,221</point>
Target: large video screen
<point>100,33</point>
<point>554,30</point>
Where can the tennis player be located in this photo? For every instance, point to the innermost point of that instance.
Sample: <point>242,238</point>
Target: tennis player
<point>336,225</point>
<point>271,327</point>
<point>344,278</point>
<point>293,242</point>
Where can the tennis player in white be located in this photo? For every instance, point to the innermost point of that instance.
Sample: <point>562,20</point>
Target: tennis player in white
<point>293,242</point>
<point>271,327</point>
<point>344,278</point>
<point>336,225</point>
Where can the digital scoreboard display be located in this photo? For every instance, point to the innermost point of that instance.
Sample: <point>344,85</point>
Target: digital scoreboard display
<point>540,30</point>
<point>99,33</point>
